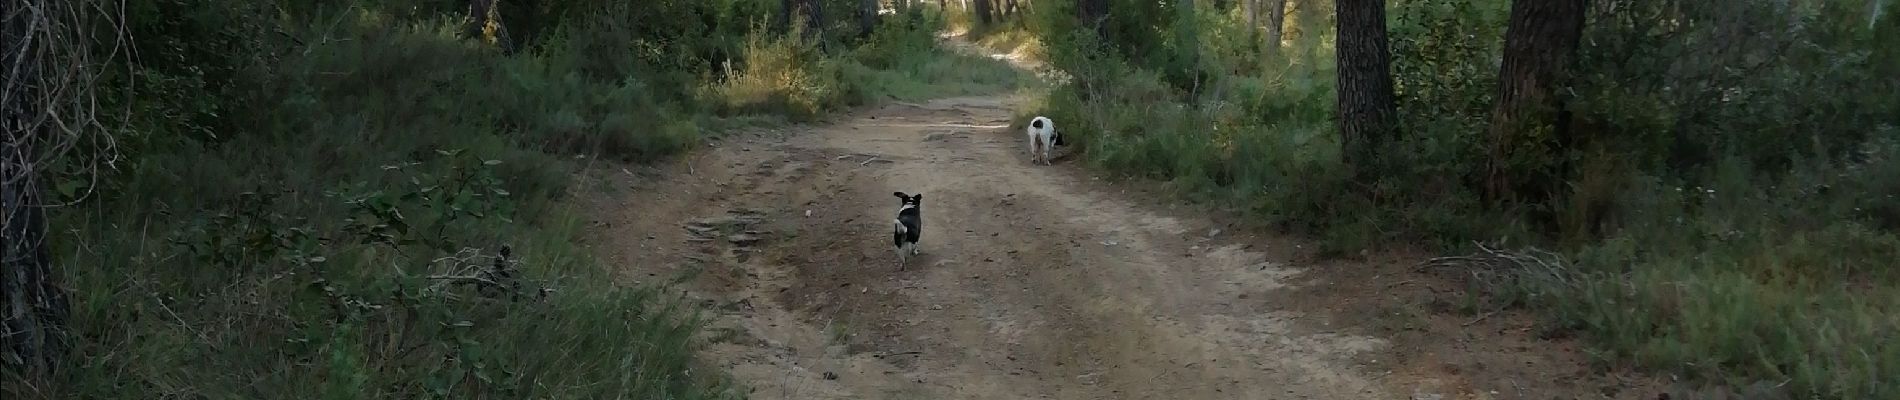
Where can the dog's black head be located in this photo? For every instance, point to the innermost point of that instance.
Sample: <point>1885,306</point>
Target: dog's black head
<point>916,200</point>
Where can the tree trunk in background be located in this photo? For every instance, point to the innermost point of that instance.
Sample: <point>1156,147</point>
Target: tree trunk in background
<point>867,17</point>
<point>814,16</point>
<point>981,13</point>
<point>1093,14</point>
<point>1365,105</point>
<point>35,311</point>
<point>1527,132</point>
<point>814,20</point>
<point>1253,17</point>
<point>484,23</point>
<point>1276,22</point>
<point>785,10</point>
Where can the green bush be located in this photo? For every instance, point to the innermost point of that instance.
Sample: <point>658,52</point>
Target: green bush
<point>1729,212</point>
<point>354,201</point>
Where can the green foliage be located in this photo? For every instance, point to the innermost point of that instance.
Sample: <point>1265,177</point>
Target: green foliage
<point>1743,280</point>
<point>902,59</point>
<point>1729,208</point>
<point>354,201</point>
<point>788,75</point>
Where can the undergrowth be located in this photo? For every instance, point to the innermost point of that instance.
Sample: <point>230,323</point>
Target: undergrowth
<point>1731,218</point>
<point>358,201</point>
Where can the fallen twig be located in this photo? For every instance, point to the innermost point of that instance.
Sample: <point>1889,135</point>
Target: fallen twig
<point>1486,314</point>
<point>901,353</point>
<point>463,279</point>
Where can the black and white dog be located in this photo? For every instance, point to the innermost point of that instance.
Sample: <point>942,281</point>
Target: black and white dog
<point>1042,138</point>
<point>910,226</point>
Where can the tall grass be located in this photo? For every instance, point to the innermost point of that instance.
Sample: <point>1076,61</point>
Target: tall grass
<point>369,206</point>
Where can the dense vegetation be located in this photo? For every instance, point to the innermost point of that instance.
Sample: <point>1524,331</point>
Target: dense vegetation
<point>1720,189</point>
<point>362,199</point>
<point>365,198</point>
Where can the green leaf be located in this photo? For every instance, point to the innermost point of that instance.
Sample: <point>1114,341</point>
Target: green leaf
<point>69,188</point>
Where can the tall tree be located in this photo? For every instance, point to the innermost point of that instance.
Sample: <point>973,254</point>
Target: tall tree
<point>808,9</point>
<point>46,108</point>
<point>1093,14</point>
<point>982,12</point>
<point>1527,129</point>
<point>785,10</point>
<point>867,17</point>
<point>1276,21</point>
<point>1365,109</point>
<point>483,23</point>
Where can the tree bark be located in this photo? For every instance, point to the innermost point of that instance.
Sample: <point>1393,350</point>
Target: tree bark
<point>1276,21</point>
<point>34,312</point>
<point>814,20</point>
<point>1253,13</point>
<point>1093,14</point>
<point>1365,104</point>
<point>982,12</point>
<point>867,17</point>
<point>484,23</point>
<point>785,10</point>
<point>814,16</point>
<point>1527,128</point>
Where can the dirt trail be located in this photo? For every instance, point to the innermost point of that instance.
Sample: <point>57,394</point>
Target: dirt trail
<point>1035,282</point>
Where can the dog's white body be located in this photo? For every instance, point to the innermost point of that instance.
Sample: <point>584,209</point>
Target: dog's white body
<point>904,249</point>
<point>1042,138</point>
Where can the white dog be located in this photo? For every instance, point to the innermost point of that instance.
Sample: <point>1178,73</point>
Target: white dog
<point>1042,137</point>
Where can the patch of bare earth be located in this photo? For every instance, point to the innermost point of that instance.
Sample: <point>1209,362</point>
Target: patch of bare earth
<point>1035,281</point>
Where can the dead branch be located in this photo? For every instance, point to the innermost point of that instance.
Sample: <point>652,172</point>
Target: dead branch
<point>1491,265</point>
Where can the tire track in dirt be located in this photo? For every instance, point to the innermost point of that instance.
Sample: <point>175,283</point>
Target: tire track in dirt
<point>1035,282</point>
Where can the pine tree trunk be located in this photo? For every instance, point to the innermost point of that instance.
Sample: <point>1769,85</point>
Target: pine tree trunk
<point>814,20</point>
<point>1093,14</point>
<point>1253,15</point>
<point>814,16</point>
<point>34,311</point>
<point>1527,128</point>
<point>1276,21</point>
<point>483,23</point>
<point>785,10</point>
<point>1366,110</point>
<point>982,12</point>
<point>867,17</point>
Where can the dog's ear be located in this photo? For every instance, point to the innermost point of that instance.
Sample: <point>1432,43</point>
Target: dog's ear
<point>900,195</point>
<point>917,197</point>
